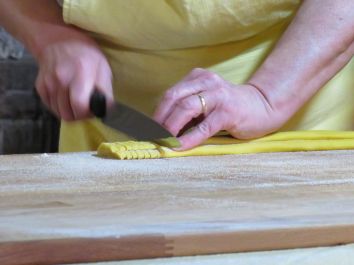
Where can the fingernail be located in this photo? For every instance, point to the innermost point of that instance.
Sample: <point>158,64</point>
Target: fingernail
<point>181,148</point>
<point>177,149</point>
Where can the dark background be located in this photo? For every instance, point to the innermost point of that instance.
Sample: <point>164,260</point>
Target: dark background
<point>26,126</point>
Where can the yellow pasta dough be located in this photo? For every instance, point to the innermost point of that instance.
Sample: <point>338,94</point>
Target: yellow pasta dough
<point>225,145</point>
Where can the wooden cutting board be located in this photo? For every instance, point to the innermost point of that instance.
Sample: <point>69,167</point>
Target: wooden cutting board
<point>68,208</point>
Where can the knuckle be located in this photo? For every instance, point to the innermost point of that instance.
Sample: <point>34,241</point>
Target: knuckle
<point>79,107</point>
<point>211,76</point>
<point>227,109</point>
<point>78,104</point>
<point>205,129</point>
<point>81,64</point>
<point>171,94</point>
<point>197,71</point>
<point>223,93</point>
<point>58,73</point>
<point>186,104</point>
<point>61,75</point>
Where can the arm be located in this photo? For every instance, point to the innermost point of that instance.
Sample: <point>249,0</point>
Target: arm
<point>36,24</point>
<point>70,63</point>
<point>317,44</point>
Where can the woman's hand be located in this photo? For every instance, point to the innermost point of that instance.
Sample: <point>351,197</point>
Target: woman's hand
<point>69,71</point>
<point>242,110</point>
<point>318,43</point>
<point>71,65</point>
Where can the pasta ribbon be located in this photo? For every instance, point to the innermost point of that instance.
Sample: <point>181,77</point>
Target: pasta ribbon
<point>294,141</point>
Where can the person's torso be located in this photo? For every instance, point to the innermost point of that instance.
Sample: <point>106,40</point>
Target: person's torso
<point>152,44</point>
<point>177,24</point>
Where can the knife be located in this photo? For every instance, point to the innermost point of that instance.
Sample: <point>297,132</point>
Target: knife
<point>130,121</point>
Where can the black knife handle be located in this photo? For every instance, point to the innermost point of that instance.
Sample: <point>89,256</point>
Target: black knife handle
<point>98,104</point>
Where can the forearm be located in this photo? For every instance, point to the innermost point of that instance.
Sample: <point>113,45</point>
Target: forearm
<point>36,23</point>
<point>317,44</point>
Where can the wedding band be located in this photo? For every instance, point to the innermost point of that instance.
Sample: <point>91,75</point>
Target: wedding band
<point>202,102</point>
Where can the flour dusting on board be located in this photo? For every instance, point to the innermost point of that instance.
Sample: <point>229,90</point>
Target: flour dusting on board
<point>84,172</point>
<point>79,194</point>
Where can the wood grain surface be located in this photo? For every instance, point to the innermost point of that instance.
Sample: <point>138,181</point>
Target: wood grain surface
<point>71,208</point>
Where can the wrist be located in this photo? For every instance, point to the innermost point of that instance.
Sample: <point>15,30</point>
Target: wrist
<point>37,42</point>
<point>279,107</point>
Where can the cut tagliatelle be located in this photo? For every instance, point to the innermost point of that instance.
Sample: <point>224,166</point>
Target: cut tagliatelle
<point>226,145</point>
<point>129,150</point>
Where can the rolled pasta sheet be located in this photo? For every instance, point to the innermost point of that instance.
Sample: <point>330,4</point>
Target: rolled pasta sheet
<point>294,141</point>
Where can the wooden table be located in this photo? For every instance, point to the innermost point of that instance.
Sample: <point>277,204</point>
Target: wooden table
<point>68,208</point>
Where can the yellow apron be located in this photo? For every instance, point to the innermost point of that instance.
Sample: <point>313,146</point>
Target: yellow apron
<point>152,44</point>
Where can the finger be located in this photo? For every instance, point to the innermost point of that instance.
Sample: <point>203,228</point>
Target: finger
<point>42,90</point>
<point>80,90</point>
<point>53,103</point>
<point>64,105</point>
<point>104,82</point>
<point>206,129</point>
<point>173,94</point>
<point>51,89</point>
<point>187,109</point>
<point>61,76</point>
<point>176,93</point>
<point>191,124</point>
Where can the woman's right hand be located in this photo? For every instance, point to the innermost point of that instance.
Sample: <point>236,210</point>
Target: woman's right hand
<point>71,65</point>
<point>69,71</point>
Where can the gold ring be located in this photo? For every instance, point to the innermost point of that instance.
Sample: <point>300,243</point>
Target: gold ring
<point>202,102</point>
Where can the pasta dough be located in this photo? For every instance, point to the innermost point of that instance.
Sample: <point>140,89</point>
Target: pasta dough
<point>226,145</point>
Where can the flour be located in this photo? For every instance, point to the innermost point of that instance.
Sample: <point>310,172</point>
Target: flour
<point>85,172</point>
<point>82,195</point>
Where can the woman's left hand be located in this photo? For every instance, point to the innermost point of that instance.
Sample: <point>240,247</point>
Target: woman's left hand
<point>242,110</point>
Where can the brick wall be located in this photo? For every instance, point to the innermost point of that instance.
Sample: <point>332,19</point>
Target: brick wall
<point>25,125</point>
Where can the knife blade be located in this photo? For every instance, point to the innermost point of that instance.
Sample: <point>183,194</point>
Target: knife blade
<point>130,121</point>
